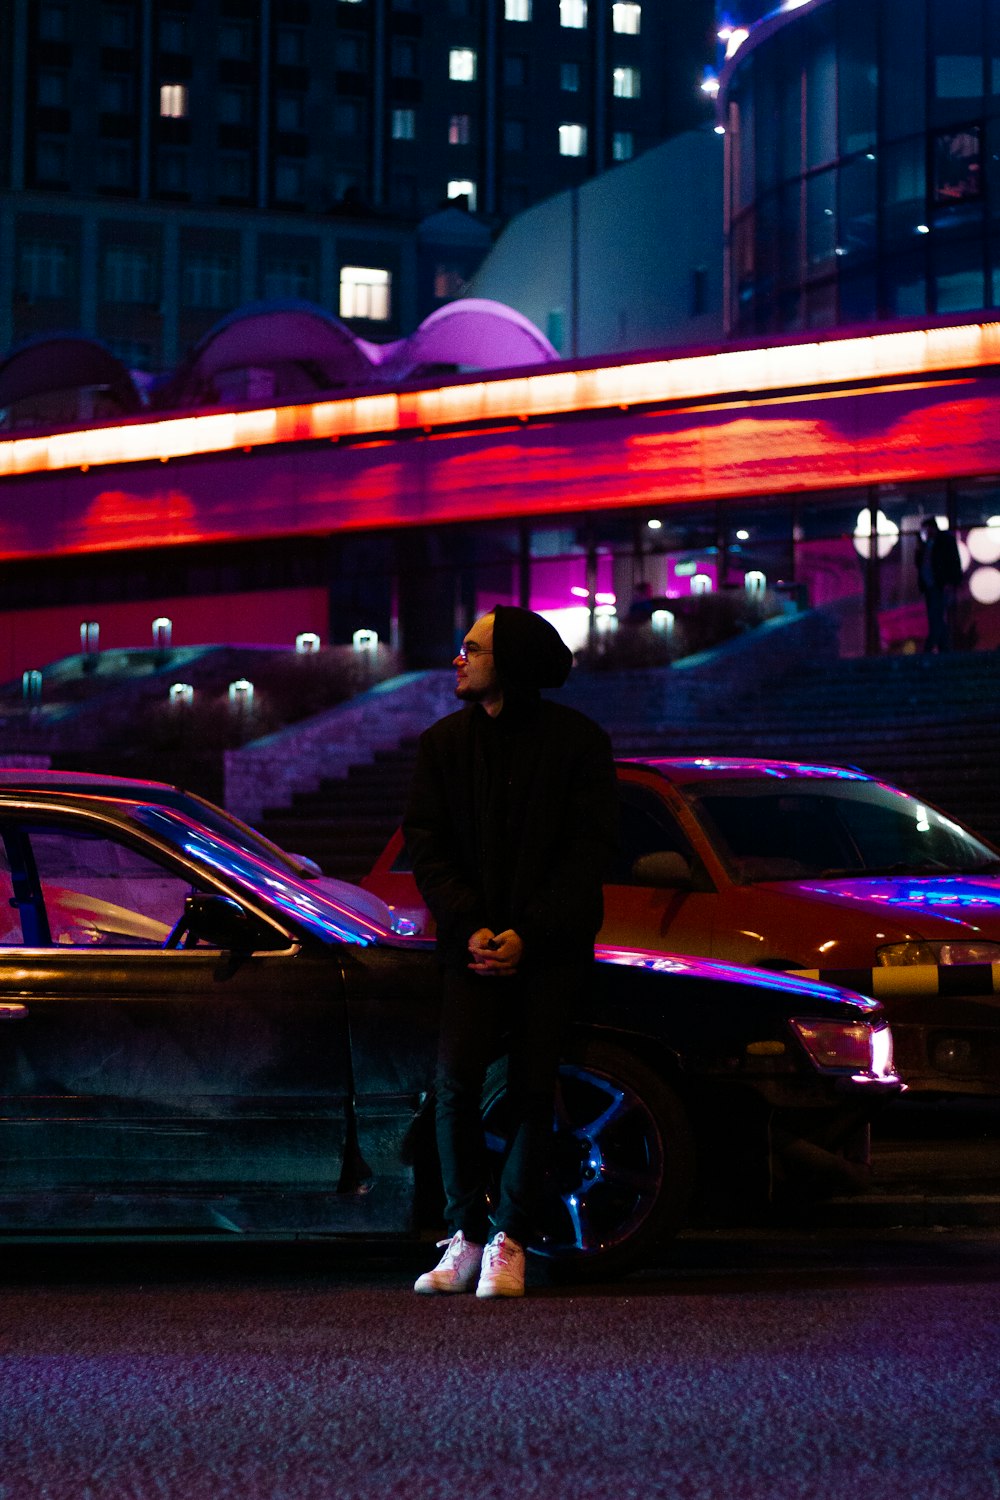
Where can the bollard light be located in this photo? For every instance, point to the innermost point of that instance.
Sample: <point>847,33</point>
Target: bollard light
<point>241,695</point>
<point>307,642</point>
<point>701,583</point>
<point>662,621</point>
<point>181,692</point>
<point>163,630</point>
<point>90,637</point>
<point>754,582</point>
<point>31,685</point>
<point>365,640</point>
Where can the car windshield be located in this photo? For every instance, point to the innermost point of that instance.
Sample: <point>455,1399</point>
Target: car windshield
<point>767,830</point>
<point>300,899</point>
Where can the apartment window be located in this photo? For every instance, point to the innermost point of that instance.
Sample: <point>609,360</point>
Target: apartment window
<point>569,78</point>
<point>459,130</point>
<point>173,101</point>
<point>625,83</point>
<point>573,13</point>
<point>517,10</point>
<point>623,145</point>
<point>515,70</point>
<point>173,170</point>
<point>462,64</point>
<point>174,34</point>
<point>289,181</point>
<point>348,117</point>
<point>403,59</point>
<point>209,281</point>
<point>53,90</point>
<point>53,23</point>
<point>233,106</point>
<point>286,277</point>
<point>626,18</point>
<point>515,135</point>
<point>114,164</point>
<point>235,39</point>
<point>290,49</point>
<point>364,293</point>
<point>461,187</point>
<point>52,160</point>
<point>114,93</point>
<point>234,175</point>
<point>43,270</point>
<point>404,124</point>
<point>572,140</point>
<point>290,112</point>
<point>128,275</point>
<point>349,53</point>
<point>116,27</point>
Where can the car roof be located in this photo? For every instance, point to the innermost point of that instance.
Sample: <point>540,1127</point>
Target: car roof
<point>687,768</point>
<point>33,777</point>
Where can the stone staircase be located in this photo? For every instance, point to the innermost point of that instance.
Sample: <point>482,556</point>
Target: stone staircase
<point>928,724</point>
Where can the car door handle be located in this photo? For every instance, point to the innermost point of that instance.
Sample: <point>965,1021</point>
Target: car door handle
<point>11,1010</point>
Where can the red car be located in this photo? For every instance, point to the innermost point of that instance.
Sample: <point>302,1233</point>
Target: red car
<point>794,866</point>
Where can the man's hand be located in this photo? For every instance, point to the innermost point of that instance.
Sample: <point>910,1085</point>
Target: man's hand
<point>495,954</point>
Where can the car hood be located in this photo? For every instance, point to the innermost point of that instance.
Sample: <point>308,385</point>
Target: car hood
<point>939,905</point>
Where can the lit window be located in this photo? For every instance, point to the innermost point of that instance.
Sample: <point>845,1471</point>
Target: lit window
<point>517,10</point>
<point>462,64</point>
<point>461,187</point>
<point>572,140</point>
<point>364,293</point>
<point>459,130</point>
<point>573,13</point>
<point>625,83</point>
<point>569,78</point>
<point>626,17</point>
<point>404,124</point>
<point>623,145</point>
<point>173,101</point>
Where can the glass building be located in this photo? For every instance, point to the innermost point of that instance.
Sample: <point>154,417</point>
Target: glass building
<point>863,163</point>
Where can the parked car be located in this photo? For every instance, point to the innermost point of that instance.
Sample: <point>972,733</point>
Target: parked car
<point>809,867</point>
<point>194,1040</point>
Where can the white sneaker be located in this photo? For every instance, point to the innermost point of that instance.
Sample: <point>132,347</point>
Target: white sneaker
<point>503,1268</point>
<point>456,1271</point>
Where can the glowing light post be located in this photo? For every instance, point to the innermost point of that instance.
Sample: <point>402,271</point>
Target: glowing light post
<point>90,644</point>
<point>163,631</point>
<point>181,694</point>
<point>241,699</point>
<point>307,643</point>
<point>31,686</point>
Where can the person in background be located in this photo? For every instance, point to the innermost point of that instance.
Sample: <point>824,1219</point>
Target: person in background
<point>939,572</point>
<point>511,826</point>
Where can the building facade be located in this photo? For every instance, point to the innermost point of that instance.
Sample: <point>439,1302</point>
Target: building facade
<point>863,163</point>
<point>163,161</point>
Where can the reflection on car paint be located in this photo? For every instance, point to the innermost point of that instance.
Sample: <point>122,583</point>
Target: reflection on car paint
<point>659,963</point>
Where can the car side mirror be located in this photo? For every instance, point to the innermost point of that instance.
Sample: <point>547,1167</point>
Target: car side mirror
<point>223,923</point>
<point>664,868</point>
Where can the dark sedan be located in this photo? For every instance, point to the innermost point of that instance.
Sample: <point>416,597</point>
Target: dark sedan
<point>194,1041</point>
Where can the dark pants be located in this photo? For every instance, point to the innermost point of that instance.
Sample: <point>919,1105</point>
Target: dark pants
<point>480,1019</point>
<point>938,633</point>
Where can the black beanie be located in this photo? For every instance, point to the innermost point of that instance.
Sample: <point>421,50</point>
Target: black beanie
<point>528,652</point>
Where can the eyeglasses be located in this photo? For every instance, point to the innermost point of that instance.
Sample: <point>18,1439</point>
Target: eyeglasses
<point>469,648</point>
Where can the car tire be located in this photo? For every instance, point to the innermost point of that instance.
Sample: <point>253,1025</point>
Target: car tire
<point>622,1168</point>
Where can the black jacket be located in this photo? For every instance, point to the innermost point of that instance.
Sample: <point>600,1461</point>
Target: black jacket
<point>530,854</point>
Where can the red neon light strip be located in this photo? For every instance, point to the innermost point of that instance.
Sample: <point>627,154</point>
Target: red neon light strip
<point>694,377</point>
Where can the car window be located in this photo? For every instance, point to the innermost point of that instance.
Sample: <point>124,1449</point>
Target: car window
<point>646,826</point>
<point>97,891</point>
<point>10,922</point>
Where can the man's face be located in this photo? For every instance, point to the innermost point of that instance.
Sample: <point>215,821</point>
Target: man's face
<point>476,676</point>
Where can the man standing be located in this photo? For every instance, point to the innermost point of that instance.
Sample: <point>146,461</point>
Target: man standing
<point>511,824</point>
<point>939,572</point>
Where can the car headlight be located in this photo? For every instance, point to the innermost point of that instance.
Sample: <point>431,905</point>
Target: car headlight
<point>966,952</point>
<point>857,1046</point>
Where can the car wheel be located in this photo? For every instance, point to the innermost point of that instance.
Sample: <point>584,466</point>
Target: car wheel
<point>622,1165</point>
